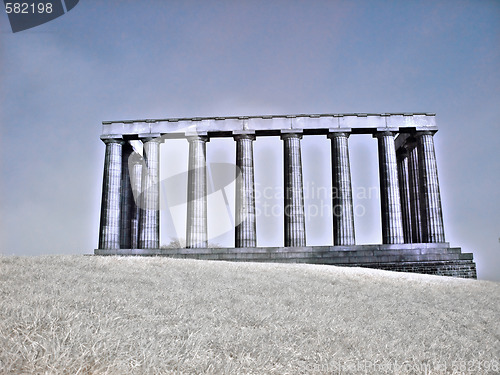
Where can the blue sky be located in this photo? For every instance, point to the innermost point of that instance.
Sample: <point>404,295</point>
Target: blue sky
<point>109,60</point>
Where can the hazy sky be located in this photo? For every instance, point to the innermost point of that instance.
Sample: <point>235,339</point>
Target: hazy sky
<point>111,60</point>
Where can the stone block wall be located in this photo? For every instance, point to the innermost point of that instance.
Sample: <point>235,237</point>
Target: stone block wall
<point>461,268</point>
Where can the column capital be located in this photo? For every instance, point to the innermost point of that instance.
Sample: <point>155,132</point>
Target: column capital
<point>198,138</point>
<point>334,134</point>
<point>384,133</point>
<point>238,136</point>
<point>146,137</point>
<point>291,134</point>
<point>115,139</point>
<point>152,139</point>
<point>420,133</point>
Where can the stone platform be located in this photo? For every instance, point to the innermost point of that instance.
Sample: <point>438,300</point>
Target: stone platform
<point>425,258</point>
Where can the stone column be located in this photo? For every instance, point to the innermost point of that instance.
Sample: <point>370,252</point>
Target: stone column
<point>343,216</point>
<point>127,199</point>
<point>135,166</point>
<point>295,226</point>
<point>109,228</point>
<point>245,231</point>
<point>416,222</point>
<point>392,227</point>
<point>430,198</point>
<point>404,192</point>
<point>196,228</point>
<point>149,221</point>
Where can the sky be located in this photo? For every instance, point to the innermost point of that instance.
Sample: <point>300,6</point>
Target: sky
<point>123,59</point>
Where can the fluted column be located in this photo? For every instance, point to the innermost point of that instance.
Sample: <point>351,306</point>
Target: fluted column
<point>343,216</point>
<point>135,166</point>
<point>245,231</point>
<point>430,198</point>
<point>404,192</point>
<point>109,228</point>
<point>127,199</point>
<point>149,221</point>
<point>413,171</point>
<point>392,227</point>
<point>295,226</point>
<point>196,228</point>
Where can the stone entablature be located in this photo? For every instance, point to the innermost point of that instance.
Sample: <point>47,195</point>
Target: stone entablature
<point>269,124</point>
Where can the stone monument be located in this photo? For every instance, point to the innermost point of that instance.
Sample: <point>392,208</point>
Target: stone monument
<point>413,237</point>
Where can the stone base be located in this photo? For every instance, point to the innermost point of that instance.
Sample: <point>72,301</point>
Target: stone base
<point>426,258</point>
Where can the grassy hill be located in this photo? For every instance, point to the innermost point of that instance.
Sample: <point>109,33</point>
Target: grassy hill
<point>109,315</point>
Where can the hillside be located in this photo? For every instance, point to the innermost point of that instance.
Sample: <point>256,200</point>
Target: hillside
<point>109,315</point>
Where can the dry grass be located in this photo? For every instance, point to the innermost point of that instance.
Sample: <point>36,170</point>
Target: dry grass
<point>109,315</point>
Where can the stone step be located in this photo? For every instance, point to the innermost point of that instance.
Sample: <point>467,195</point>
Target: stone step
<point>324,257</point>
<point>306,258</point>
<point>365,250</point>
<point>312,254</point>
